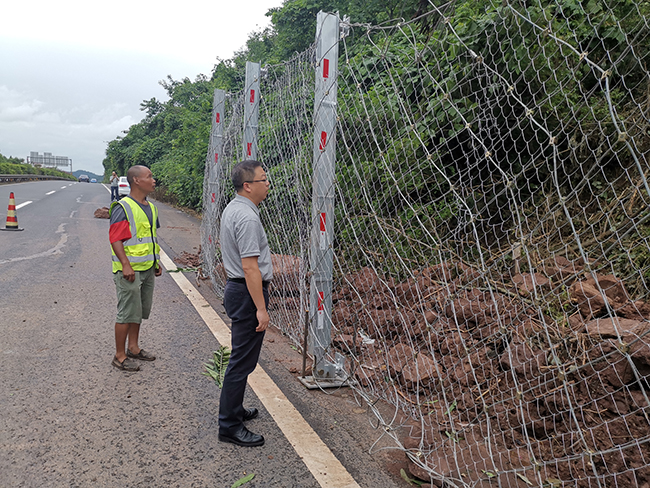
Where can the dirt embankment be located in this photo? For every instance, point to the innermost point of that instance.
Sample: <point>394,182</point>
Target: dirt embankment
<point>537,376</point>
<point>496,376</point>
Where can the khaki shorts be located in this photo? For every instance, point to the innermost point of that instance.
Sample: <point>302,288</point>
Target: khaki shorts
<point>134,299</point>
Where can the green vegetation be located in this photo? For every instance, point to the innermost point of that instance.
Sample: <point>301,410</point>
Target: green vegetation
<point>526,81</point>
<point>243,481</point>
<point>173,137</point>
<point>10,160</point>
<point>16,166</point>
<point>215,368</point>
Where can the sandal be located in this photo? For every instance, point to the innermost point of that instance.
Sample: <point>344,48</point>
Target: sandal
<point>142,355</point>
<point>126,365</point>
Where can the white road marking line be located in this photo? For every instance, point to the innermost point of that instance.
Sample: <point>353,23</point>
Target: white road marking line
<point>63,187</point>
<point>50,252</point>
<point>53,191</point>
<point>24,204</point>
<point>318,458</point>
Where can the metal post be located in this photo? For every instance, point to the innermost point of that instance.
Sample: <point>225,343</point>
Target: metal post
<point>251,109</point>
<point>215,182</point>
<point>324,372</point>
<point>216,140</point>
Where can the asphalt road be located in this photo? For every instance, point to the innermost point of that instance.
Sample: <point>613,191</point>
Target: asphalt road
<point>68,418</point>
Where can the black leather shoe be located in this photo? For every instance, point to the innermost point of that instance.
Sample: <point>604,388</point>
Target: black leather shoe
<point>243,438</point>
<point>250,414</point>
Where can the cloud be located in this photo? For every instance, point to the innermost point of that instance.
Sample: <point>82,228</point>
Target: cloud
<point>69,83</point>
<point>77,131</point>
<point>17,107</point>
<point>197,31</point>
<point>114,118</point>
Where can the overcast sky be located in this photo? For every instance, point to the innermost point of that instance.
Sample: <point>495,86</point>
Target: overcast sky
<point>73,73</point>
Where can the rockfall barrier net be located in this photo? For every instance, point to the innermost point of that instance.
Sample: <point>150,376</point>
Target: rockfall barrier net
<point>491,242</point>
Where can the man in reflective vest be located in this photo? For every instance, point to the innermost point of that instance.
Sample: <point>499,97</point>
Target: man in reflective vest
<point>136,256</point>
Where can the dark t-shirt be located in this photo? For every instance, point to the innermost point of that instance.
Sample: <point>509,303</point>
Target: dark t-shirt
<point>118,214</point>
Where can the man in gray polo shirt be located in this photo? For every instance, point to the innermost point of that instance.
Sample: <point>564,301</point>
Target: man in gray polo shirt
<point>247,260</point>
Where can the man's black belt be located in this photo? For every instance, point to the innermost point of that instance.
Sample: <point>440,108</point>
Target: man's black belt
<point>242,281</point>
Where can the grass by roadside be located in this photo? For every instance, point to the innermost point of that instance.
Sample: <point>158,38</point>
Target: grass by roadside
<point>7,168</point>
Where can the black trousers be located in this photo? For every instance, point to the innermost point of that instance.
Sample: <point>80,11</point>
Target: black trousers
<point>246,346</point>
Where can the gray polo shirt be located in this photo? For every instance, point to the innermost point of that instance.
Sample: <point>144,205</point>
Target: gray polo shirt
<point>242,236</point>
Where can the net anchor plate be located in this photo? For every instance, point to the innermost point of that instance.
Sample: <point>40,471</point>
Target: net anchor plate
<point>328,374</point>
<point>313,383</point>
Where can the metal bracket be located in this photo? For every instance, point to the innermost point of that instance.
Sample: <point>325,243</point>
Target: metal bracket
<point>327,374</point>
<point>344,26</point>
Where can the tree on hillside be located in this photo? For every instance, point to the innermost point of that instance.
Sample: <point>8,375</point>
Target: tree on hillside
<point>172,138</point>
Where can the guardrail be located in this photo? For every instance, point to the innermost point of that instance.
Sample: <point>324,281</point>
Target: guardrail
<point>14,178</point>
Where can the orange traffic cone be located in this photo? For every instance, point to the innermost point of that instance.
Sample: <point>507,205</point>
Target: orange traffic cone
<point>12,219</point>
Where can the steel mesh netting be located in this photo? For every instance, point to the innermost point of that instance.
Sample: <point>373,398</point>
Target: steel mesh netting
<point>491,235</point>
<point>491,239</point>
<point>284,146</point>
<point>286,128</point>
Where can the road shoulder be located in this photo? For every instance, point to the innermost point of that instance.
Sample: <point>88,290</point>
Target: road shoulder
<point>338,416</point>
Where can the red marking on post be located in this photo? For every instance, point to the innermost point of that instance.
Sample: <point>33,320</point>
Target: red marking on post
<point>216,158</point>
<point>321,299</point>
<point>326,68</point>
<point>210,239</point>
<point>323,140</point>
<point>214,197</point>
<point>217,117</point>
<point>249,148</point>
<point>323,216</point>
<point>252,96</point>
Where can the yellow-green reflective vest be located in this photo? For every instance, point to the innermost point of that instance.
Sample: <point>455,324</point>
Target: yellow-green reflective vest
<point>142,248</point>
